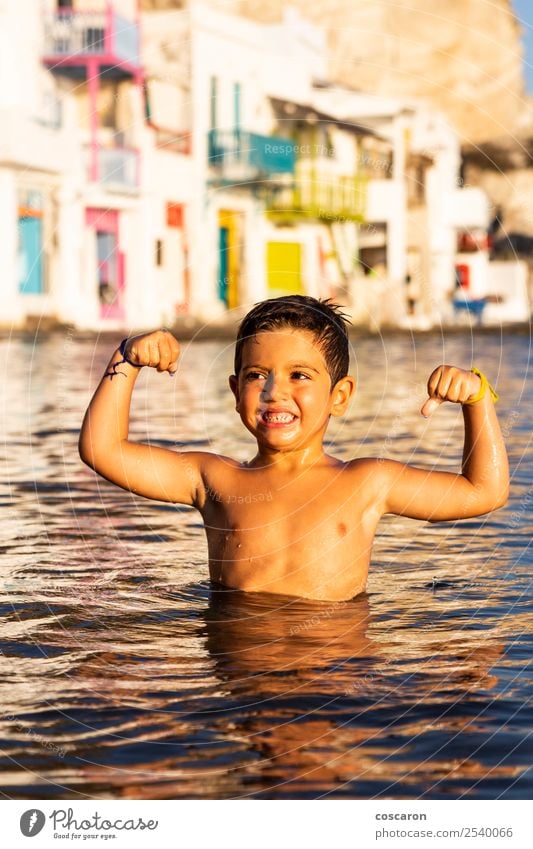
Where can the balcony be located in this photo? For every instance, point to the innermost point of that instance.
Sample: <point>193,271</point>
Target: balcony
<point>72,39</point>
<point>237,155</point>
<point>114,167</point>
<point>319,197</point>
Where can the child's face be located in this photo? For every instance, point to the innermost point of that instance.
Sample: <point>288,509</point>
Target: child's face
<point>283,391</point>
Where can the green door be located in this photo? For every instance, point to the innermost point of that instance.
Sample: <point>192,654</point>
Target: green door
<point>223,263</point>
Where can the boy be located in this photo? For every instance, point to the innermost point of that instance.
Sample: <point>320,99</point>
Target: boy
<point>293,520</point>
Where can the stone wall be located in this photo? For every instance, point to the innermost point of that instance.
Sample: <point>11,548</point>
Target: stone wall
<point>465,56</point>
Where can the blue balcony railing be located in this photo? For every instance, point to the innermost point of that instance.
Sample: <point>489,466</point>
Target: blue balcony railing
<point>126,39</point>
<point>231,151</point>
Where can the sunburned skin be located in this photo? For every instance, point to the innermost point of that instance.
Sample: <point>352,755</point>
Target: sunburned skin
<point>292,520</point>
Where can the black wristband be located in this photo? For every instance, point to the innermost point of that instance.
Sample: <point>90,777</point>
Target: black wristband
<point>122,349</point>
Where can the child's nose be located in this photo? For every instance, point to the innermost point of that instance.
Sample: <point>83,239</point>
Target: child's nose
<point>274,387</point>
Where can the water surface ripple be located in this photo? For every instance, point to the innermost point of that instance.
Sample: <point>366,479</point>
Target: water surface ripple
<point>126,675</point>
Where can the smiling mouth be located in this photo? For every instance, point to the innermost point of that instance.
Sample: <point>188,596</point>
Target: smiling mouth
<point>277,419</point>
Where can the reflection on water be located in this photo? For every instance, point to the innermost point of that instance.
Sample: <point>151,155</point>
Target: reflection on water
<point>125,674</point>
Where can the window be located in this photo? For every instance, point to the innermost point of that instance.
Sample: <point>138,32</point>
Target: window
<point>174,215</point>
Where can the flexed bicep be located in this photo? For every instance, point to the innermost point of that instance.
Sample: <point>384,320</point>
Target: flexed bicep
<point>429,495</point>
<point>483,483</point>
<point>154,472</point>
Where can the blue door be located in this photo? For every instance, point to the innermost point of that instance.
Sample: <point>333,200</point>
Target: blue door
<point>30,256</point>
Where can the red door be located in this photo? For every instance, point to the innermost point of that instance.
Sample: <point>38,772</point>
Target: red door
<point>462,273</point>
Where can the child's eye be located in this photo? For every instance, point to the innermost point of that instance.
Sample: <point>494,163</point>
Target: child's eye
<point>253,375</point>
<point>298,375</point>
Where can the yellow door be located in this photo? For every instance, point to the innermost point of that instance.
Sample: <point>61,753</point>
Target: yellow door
<point>284,268</point>
<point>230,248</point>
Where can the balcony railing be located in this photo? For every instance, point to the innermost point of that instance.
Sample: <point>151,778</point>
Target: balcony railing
<point>327,198</point>
<point>114,167</point>
<point>236,153</point>
<point>76,36</point>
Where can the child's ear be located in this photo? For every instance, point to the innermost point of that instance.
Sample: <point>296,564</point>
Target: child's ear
<point>234,386</point>
<point>342,394</point>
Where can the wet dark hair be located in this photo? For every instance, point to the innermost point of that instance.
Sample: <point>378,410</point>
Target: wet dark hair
<point>323,318</point>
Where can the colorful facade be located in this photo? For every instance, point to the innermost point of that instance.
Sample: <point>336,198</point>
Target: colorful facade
<point>187,162</point>
<point>94,205</point>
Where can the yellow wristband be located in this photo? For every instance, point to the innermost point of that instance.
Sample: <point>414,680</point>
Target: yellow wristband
<point>483,388</point>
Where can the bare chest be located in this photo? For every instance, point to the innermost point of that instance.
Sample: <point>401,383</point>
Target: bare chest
<point>288,538</point>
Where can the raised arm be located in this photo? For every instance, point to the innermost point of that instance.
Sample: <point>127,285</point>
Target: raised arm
<point>483,484</point>
<point>104,445</point>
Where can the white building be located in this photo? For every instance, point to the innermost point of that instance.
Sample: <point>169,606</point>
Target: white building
<point>88,197</point>
<point>259,146</point>
<point>189,163</point>
<point>416,211</point>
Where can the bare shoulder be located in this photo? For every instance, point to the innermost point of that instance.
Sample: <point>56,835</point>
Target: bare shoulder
<point>213,463</point>
<point>378,472</point>
<point>371,475</point>
<point>213,469</point>
<point>372,468</point>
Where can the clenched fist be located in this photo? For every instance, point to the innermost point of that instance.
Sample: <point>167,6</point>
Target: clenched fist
<point>449,383</point>
<point>158,349</point>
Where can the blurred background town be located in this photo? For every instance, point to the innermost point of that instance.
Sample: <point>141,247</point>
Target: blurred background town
<point>165,162</point>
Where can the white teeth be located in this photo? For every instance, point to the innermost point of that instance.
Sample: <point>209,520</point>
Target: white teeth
<point>284,418</point>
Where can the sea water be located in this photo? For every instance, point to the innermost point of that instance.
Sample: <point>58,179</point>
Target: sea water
<point>126,675</point>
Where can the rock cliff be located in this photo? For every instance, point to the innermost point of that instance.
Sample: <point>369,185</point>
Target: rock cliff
<point>465,56</point>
